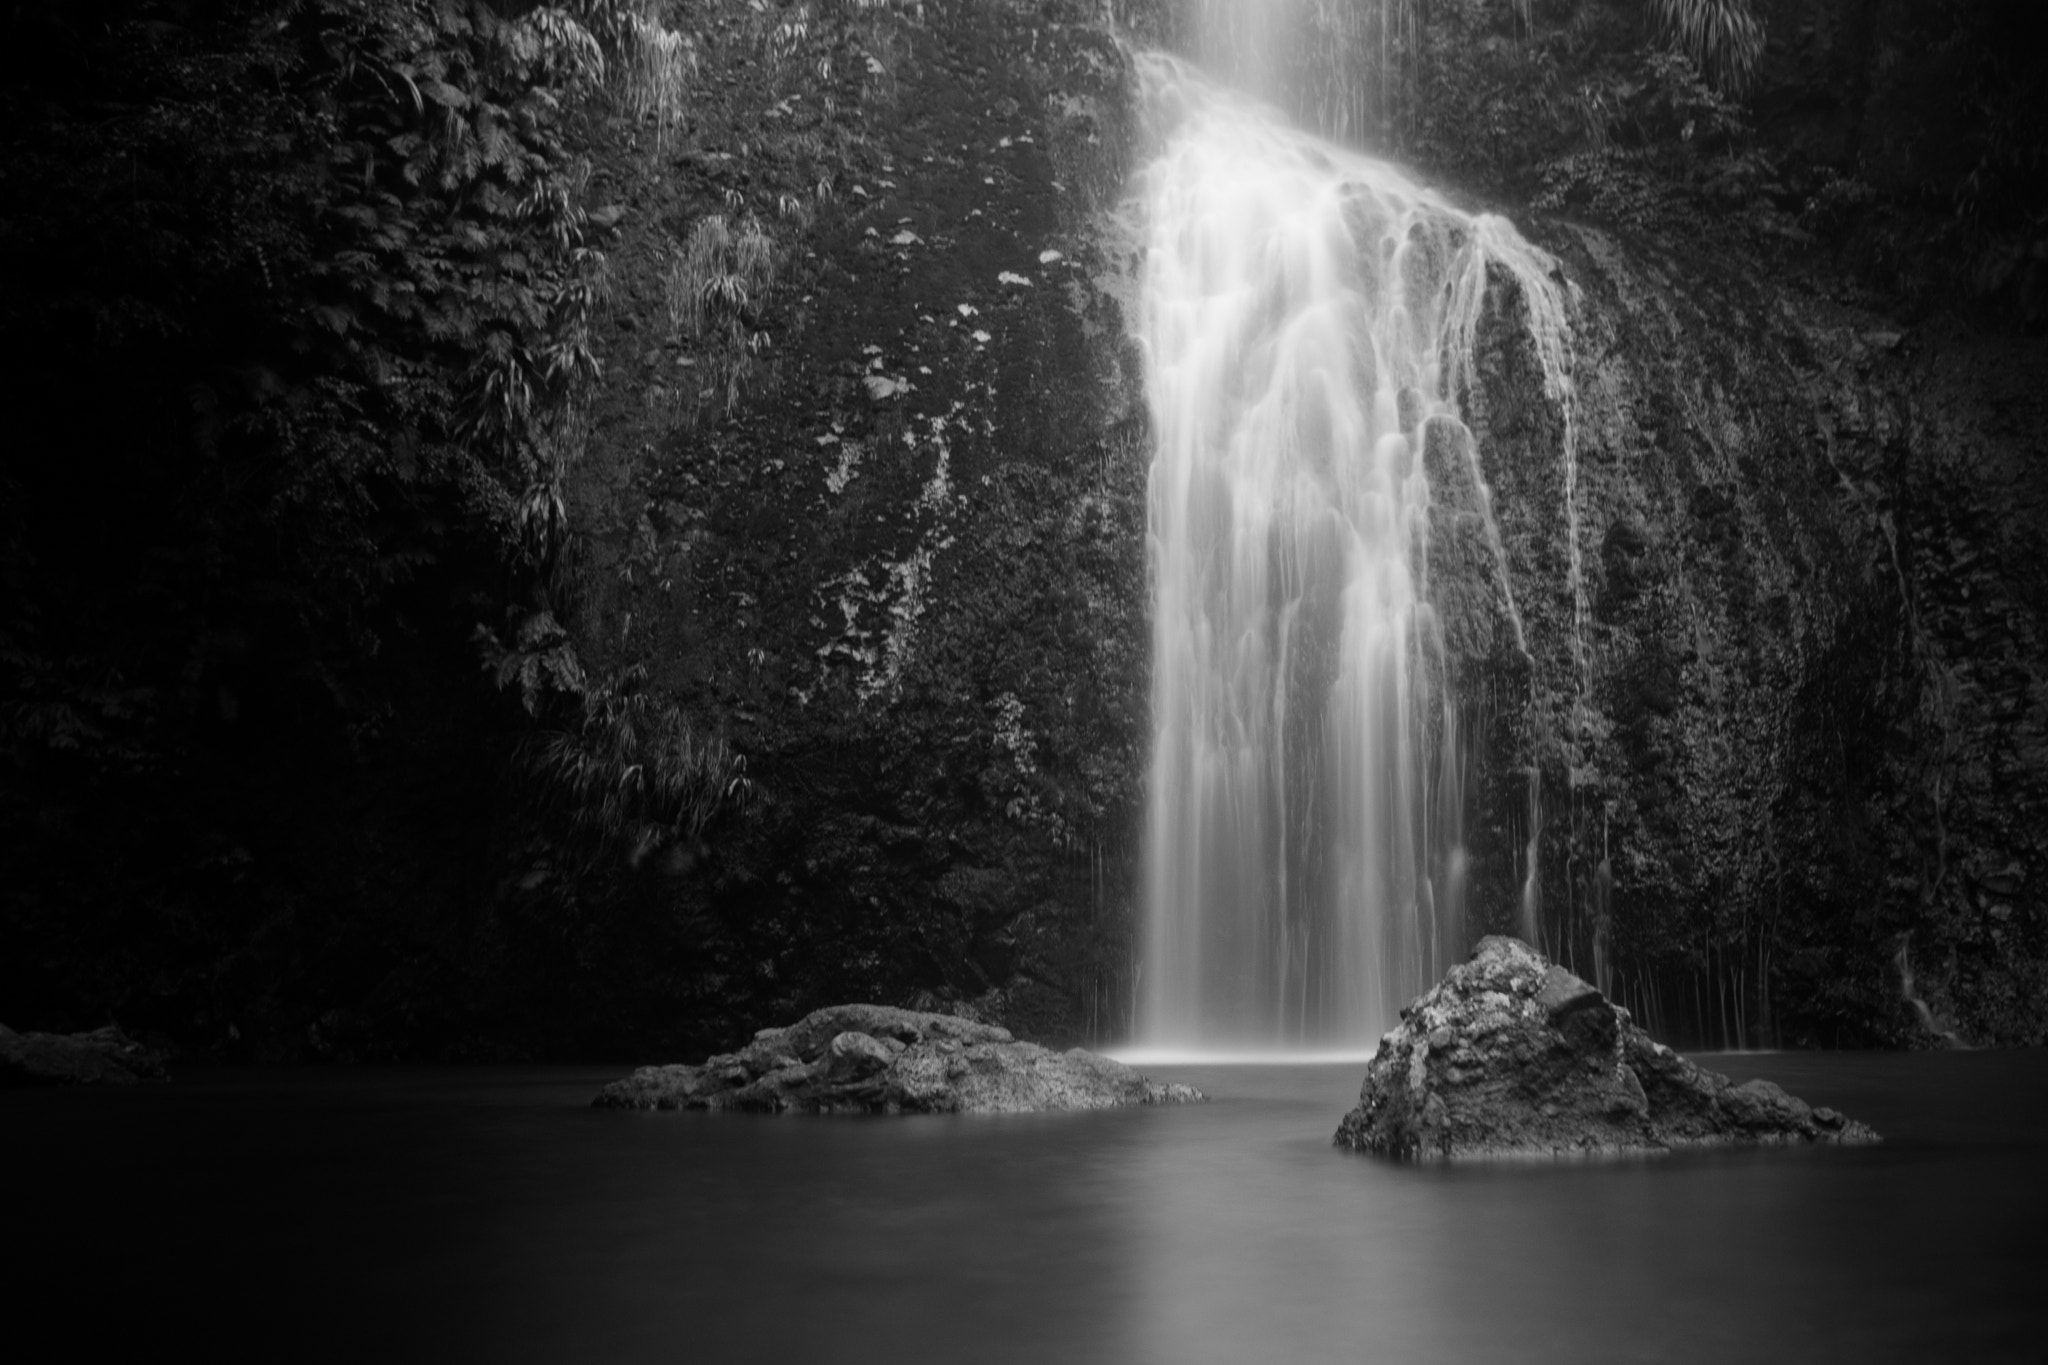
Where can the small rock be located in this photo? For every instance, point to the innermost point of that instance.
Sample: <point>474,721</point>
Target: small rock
<point>103,1055</point>
<point>1546,1065</point>
<point>878,1059</point>
<point>852,1055</point>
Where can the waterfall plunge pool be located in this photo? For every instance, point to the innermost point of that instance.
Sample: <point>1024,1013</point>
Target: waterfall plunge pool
<point>488,1214</point>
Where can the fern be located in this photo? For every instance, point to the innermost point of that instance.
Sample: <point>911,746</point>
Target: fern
<point>1722,37</point>
<point>718,273</point>
<point>634,773</point>
<point>713,285</point>
<point>551,43</point>
<point>656,62</point>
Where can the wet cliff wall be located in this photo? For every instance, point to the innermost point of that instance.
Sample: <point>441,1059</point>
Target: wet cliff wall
<point>1782,717</point>
<point>1776,732</point>
<point>1797,779</point>
<point>1788,730</point>
<point>794,648</point>
<point>894,553</point>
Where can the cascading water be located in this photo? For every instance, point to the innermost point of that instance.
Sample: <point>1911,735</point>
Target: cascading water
<point>1337,65</point>
<point>1307,316</point>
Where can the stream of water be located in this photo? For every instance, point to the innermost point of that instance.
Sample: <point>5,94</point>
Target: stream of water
<point>1308,316</point>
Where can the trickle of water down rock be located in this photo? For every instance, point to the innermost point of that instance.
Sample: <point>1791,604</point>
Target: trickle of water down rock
<point>1307,315</point>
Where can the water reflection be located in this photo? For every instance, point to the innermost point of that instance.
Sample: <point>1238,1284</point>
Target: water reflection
<point>480,1215</point>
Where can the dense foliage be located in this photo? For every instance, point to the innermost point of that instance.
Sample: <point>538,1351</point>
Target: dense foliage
<point>1901,140</point>
<point>297,309</point>
<point>345,712</point>
<point>1719,37</point>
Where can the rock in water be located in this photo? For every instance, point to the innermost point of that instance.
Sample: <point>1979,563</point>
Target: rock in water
<point>877,1059</point>
<point>1510,1055</point>
<point>105,1054</point>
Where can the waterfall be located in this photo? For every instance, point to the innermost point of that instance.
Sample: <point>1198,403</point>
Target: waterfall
<point>1307,316</point>
<point>1336,65</point>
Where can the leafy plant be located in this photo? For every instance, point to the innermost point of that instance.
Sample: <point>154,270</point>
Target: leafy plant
<point>1723,38</point>
<point>717,274</point>
<point>539,663</point>
<point>339,251</point>
<point>1671,96</point>
<point>635,774</point>
<point>714,287</point>
<point>656,64</point>
<point>1481,103</point>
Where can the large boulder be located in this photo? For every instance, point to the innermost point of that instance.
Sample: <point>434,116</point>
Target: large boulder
<point>1510,1055</point>
<point>878,1059</point>
<point>103,1055</point>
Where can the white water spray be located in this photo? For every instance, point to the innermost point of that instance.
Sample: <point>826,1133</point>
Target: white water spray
<point>1308,317</point>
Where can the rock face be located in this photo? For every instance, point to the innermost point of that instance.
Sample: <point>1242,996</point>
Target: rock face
<point>1510,1055</point>
<point>928,510</point>
<point>105,1054</point>
<point>878,1059</point>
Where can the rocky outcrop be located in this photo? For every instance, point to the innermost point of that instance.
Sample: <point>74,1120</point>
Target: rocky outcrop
<point>1512,1056</point>
<point>878,1059</point>
<point>103,1055</point>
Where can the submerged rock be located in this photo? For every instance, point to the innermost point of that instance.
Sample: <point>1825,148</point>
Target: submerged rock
<point>104,1054</point>
<point>878,1059</point>
<point>1510,1055</point>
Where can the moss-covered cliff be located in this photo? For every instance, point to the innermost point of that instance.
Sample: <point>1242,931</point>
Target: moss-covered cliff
<point>895,550</point>
<point>540,532</point>
<point>1791,793</point>
<point>1796,783</point>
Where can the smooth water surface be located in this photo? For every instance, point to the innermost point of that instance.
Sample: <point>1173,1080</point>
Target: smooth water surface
<point>491,1215</point>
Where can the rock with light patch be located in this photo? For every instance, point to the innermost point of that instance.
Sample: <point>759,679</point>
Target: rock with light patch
<point>1510,1055</point>
<point>103,1056</point>
<point>879,1059</point>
